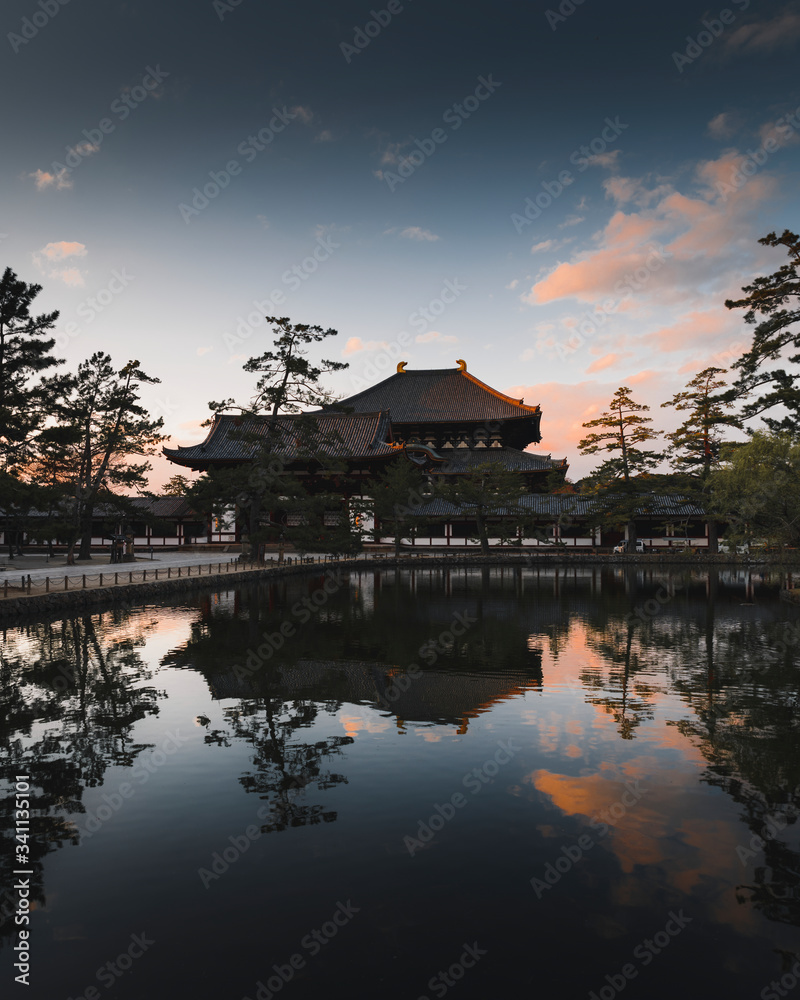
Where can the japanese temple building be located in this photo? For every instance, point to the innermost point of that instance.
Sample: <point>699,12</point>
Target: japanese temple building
<point>447,422</point>
<point>444,420</point>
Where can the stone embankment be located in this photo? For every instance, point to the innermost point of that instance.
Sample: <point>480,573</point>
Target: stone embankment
<point>23,604</point>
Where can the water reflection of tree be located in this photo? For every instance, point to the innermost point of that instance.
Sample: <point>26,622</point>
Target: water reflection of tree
<point>627,698</point>
<point>284,767</point>
<point>741,677</point>
<point>68,700</point>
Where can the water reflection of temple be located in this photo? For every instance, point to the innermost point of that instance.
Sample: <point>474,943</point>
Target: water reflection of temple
<point>424,696</point>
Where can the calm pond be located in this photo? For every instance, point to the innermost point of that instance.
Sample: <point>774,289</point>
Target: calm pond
<point>571,782</point>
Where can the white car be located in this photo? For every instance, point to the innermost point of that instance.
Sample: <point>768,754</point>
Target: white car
<point>627,546</point>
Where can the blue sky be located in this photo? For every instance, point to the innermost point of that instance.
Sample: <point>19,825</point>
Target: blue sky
<point>562,195</point>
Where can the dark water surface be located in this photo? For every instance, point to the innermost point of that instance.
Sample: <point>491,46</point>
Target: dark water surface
<point>503,783</point>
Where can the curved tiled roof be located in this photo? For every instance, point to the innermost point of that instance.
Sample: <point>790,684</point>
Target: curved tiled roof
<point>565,504</point>
<point>332,435</point>
<point>438,395</point>
<point>466,459</point>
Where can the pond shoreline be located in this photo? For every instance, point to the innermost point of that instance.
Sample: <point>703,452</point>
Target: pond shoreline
<point>27,607</point>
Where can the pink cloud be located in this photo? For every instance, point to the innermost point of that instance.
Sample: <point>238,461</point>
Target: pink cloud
<point>355,344</point>
<point>762,36</point>
<point>564,409</point>
<point>58,251</point>
<point>69,275</point>
<point>722,126</point>
<point>606,361</point>
<point>696,326</point>
<point>60,179</point>
<point>434,335</point>
<point>698,230</point>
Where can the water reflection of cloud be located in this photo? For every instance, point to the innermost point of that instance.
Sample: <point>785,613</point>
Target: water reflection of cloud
<point>659,839</point>
<point>355,724</point>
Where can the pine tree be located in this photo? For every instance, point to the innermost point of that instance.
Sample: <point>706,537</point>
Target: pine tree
<point>25,399</point>
<point>110,426</point>
<point>288,383</point>
<point>756,488</point>
<point>695,445</point>
<point>777,298</point>
<point>623,428</point>
<point>491,495</point>
<point>619,483</point>
<point>397,493</point>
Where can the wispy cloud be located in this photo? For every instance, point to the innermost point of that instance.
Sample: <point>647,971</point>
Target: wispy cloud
<point>69,275</point>
<point>722,126</point>
<point>60,180</point>
<point>54,252</point>
<point>303,112</point>
<point>764,36</point>
<point>434,336</point>
<point>607,160</point>
<point>59,251</point>
<point>355,345</point>
<point>416,233</point>
<point>607,361</point>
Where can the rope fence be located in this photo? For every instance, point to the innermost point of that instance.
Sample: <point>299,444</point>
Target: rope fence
<point>26,585</point>
<point>83,581</point>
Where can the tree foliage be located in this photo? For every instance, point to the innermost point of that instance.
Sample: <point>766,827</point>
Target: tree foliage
<point>695,446</point>
<point>288,381</point>
<point>620,483</point>
<point>622,428</point>
<point>397,493</point>
<point>485,492</point>
<point>757,488</point>
<point>25,353</point>
<point>772,304</point>
<point>106,426</point>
